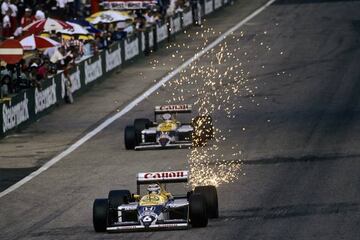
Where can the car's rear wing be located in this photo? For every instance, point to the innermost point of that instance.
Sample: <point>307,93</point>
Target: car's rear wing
<point>178,108</point>
<point>161,177</point>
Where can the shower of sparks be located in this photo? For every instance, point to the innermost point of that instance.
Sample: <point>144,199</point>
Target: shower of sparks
<point>217,83</point>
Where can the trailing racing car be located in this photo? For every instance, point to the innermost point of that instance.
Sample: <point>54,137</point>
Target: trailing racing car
<point>157,209</point>
<point>166,131</point>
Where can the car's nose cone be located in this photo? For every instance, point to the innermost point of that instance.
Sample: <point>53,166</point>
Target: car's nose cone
<point>163,141</point>
<point>147,220</point>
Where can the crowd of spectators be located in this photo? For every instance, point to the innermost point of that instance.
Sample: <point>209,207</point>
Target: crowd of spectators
<point>42,64</point>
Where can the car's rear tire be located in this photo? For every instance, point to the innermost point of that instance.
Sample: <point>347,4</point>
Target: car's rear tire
<point>130,137</point>
<point>139,125</point>
<point>211,198</point>
<point>100,214</point>
<point>116,198</point>
<point>197,211</point>
<point>203,130</point>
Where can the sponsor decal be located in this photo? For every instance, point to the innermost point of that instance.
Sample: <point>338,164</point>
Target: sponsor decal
<point>161,33</point>
<point>75,82</point>
<point>217,3</point>
<point>113,59</point>
<point>187,18</point>
<point>160,175</point>
<point>93,71</point>
<point>208,7</point>
<point>45,98</point>
<point>180,107</point>
<point>131,49</point>
<point>15,115</point>
<point>127,5</point>
<point>175,25</point>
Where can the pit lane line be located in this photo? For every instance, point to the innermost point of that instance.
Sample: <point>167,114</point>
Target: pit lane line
<point>134,103</point>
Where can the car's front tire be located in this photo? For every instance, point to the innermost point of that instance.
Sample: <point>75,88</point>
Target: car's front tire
<point>130,137</point>
<point>100,214</point>
<point>197,211</point>
<point>117,198</point>
<point>211,198</point>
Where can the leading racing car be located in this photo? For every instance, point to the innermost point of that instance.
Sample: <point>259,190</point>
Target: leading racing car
<point>167,131</point>
<point>158,208</point>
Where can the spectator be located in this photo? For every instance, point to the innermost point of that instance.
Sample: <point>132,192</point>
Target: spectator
<point>61,7</point>
<point>21,9</point>
<point>7,28</point>
<point>140,21</point>
<point>18,32</point>
<point>118,34</point>
<point>13,16</point>
<point>70,8</point>
<point>129,30</point>
<point>5,86</point>
<point>22,81</point>
<point>39,14</point>
<point>27,18</point>
<point>88,50</point>
<point>5,6</point>
<point>33,76</point>
<point>99,43</point>
<point>150,17</point>
<point>42,71</point>
<point>58,57</point>
<point>49,52</point>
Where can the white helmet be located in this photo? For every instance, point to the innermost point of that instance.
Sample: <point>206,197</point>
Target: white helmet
<point>166,116</point>
<point>154,188</point>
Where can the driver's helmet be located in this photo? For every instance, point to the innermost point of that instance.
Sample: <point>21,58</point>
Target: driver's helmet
<point>154,188</point>
<point>166,116</point>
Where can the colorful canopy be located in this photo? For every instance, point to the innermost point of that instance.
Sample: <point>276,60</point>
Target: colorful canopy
<point>88,26</point>
<point>108,17</point>
<point>33,42</point>
<point>11,51</point>
<point>75,30</point>
<point>46,25</point>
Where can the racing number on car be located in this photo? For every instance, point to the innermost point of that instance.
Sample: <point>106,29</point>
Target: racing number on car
<point>147,219</point>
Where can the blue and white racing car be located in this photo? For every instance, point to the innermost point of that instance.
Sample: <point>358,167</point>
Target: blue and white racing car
<point>169,129</point>
<point>158,208</point>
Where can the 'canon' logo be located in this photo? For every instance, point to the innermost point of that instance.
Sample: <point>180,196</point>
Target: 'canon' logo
<point>175,107</point>
<point>160,175</point>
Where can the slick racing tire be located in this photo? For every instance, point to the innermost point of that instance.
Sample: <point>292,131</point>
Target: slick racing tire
<point>197,211</point>
<point>100,215</point>
<point>139,125</point>
<point>211,198</point>
<point>116,198</point>
<point>130,137</point>
<point>203,130</point>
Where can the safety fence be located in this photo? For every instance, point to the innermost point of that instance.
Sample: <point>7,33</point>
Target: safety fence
<point>31,104</point>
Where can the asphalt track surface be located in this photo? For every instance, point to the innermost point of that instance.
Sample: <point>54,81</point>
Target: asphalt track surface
<point>298,133</point>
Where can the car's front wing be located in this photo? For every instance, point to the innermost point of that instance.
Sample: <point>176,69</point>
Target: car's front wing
<point>139,227</point>
<point>179,144</point>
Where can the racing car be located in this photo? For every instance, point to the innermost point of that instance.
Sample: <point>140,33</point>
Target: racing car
<point>166,131</point>
<point>157,209</point>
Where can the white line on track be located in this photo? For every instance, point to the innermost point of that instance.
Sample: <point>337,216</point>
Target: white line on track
<point>131,105</point>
